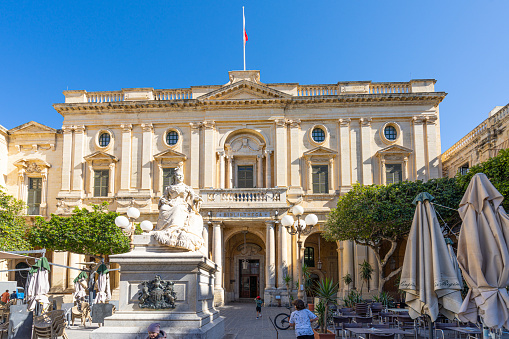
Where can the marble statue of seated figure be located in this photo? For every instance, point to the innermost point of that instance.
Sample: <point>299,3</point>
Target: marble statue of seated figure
<point>180,224</point>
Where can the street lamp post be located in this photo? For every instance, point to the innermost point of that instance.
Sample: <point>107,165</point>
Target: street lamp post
<point>127,223</point>
<point>299,227</point>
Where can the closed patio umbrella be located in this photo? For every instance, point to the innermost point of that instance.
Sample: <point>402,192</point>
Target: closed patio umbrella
<point>454,260</point>
<point>428,276</point>
<point>103,285</point>
<point>80,286</point>
<point>38,285</point>
<point>483,255</point>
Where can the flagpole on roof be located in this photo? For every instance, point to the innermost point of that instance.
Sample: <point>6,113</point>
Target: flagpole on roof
<point>244,35</point>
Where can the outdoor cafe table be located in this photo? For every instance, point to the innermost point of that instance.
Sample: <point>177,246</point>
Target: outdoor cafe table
<point>366,330</point>
<point>465,330</point>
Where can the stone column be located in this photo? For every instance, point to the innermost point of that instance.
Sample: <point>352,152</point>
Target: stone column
<point>280,157</point>
<point>67,158</point>
<point>205,234</point>
<point>282,257</point>
<point>218,258</point>
<point>125,161</point>
<point>222,173</point>
<point>405,169</point>
<point>74,259</point>
<point>59,274</point>
<point>44,192</point>
<point>90,179</point>
<point>419,151</point>
<point>309,168</point>
<point>111,184</point>
<point>382,171</point>
<point>209,176</point>
<point>366,140</point>
<point>268,176</point>
<point>259,179</point>
<point>332,188</point>
<point>372,261</point>
<point>231,182</point>
<point>146,157</point>
<point>344,131</point>
<point>79,146</point>
<point>433,148</point>
<point>295,154</point>
<point>341,288</point>
<point>270,255</point>
<point>348,261</point>
<point>194,157</point>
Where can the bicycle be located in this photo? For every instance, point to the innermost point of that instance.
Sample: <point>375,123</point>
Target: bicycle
<point>282,320</point>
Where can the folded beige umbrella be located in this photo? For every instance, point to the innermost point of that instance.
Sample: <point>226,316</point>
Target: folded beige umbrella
<point>483,255</point>
<point>428,276</point>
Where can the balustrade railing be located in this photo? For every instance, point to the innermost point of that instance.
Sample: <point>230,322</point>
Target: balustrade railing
<point>243,195</point>
<point>390,87</point>
<point>173,94</point>
<point>105,96</point>
<point>481,128</point>
<point>314,90</point>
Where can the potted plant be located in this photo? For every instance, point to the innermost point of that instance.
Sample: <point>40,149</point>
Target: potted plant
<point>308,286</point>
<point>288,281</point>
<point>347,279</point>
<point>383,298</point>
<point>366,272</point>
<point>353,297</point>
<point>326,291</point>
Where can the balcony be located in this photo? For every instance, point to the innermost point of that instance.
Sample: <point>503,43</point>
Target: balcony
<point>243,197</point>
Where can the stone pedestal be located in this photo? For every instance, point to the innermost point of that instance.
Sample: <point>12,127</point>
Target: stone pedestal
<point>194,315</point>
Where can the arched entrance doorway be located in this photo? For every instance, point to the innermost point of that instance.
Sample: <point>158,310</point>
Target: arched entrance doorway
<point>321,257</point>
<point>245,274</point>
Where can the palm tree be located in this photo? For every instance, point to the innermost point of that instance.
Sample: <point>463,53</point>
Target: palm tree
<point>326,291</point>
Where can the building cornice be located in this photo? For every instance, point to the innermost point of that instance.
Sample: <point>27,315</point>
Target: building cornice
<point>433,98</point>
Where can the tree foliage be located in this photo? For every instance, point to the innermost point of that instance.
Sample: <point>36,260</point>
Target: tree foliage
<point>84,232</point>
<point>13,227</point>
<point>375,215</point>
<point>496,169</point>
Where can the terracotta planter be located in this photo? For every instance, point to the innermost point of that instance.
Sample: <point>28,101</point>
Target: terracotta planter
<point>328,335</point>
<point>311,307</point>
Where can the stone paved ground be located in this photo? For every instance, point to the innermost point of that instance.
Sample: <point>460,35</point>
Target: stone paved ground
<point>240,323</point>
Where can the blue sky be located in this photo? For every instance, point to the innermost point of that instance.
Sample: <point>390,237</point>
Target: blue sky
<point>46,48</point>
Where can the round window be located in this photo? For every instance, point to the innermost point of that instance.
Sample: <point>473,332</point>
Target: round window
<point>172,137</point>
<point>318,135</point>
<point>104,139</point>
<point>390,133</point>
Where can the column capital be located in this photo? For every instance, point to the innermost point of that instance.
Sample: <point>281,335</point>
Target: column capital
<point>126,128</point>
<point>147,127</point>
<point>268,152</point>
<point>221,154</point>
<point>294,123</point>
<point>79,128</point>
<point>344,122</point>
<point>209,124</point>
<point>281,122</point>
<point>270,223</point>
<point>365,122</point>
<point>216,223</point>
<point>418,120</point>
<point>431,120</point>
<point>195,125</point>
<point>67,129</point>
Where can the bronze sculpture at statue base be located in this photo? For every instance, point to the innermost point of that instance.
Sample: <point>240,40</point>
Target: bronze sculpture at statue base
<point>181,296</point>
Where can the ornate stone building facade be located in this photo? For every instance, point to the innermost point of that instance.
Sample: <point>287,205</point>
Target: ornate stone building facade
<point>482,143</point>
<point>252,150</point>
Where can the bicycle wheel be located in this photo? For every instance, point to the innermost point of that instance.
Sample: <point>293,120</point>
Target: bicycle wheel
<point>282,321</point>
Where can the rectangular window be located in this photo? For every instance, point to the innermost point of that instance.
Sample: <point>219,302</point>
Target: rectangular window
<point>168,178</point>
<point>245,177</point>
<point>101,179</point>
<point>34,195</point>
<point>393,174</point>
<point>320,177</point>
<point>463,169</point>
<point>309,257</point>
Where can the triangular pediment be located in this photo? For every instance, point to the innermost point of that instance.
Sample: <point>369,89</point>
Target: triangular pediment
<point>31,128</point>
<point>96,156</point>
<point>244,90</point>
<point>170,154</point>
<point>320,151</point>
<point>394,150</point>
